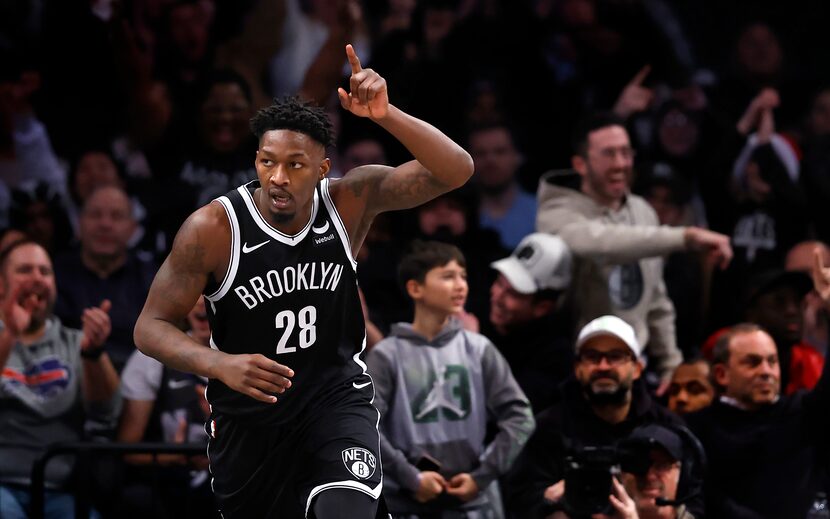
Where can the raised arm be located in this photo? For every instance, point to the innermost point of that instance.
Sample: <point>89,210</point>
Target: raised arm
<point>201,249</point>
<point>440,164</point>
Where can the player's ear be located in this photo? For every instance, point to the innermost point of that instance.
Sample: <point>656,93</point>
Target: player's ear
<point>325,167</point>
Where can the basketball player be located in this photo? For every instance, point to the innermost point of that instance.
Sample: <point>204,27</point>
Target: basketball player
<point>293,432</point>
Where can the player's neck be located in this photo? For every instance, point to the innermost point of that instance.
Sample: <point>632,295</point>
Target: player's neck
<point>290,225</point>
<point>429,322</point>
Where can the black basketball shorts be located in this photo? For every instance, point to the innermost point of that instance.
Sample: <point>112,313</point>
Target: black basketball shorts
<point>276,471</point>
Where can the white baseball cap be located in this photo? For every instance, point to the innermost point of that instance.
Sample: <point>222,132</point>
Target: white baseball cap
<point>609,325</point>
<point>541,261</point>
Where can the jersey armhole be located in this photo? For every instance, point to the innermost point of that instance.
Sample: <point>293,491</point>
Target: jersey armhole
<point>338,223</point>
<point>233,262</point>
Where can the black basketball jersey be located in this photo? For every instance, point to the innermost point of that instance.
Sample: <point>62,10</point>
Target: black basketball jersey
<point>292,298</point>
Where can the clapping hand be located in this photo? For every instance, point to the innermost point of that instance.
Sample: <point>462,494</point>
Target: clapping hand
<point>17,309</point>
<point>96,326</point>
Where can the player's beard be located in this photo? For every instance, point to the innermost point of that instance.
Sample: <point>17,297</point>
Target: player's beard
<point>282,217</point>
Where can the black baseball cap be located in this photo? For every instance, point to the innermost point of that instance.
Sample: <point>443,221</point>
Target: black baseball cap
<point>768,280</point>
<point>656,435</point>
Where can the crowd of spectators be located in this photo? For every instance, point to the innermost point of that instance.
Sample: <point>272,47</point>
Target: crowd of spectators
<point>666,162</point>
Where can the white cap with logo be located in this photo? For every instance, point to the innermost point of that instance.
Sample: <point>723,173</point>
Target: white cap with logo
<point>541,261</point>
<point>609,325</point>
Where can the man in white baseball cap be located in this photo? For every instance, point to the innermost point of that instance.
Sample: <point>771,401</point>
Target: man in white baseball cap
<point>525,324</point>
<point>608,363</point>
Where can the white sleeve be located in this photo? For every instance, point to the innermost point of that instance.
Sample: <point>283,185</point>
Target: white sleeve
<point>141,377</point>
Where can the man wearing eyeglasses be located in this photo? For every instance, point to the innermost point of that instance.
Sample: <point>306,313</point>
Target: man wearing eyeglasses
<point>616,239</point>
<point>600,406</point>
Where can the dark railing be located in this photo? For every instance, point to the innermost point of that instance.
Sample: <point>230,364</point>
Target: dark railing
<point>83,452</point>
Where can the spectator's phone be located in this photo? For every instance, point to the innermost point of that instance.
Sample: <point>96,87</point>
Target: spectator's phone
<point>427,462</point>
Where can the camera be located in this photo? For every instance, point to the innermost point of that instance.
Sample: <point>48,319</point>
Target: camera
<point>588,473</point>
<point>588,469</point>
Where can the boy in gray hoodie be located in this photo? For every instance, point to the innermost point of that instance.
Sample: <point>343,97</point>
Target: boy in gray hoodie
<point>437,387</point>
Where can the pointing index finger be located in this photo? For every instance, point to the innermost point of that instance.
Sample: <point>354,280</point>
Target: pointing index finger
<point>354,61</point>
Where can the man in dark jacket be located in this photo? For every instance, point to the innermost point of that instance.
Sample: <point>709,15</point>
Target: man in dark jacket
<point>603,405</point>
<point>767,453</point>
<point>527,322</point>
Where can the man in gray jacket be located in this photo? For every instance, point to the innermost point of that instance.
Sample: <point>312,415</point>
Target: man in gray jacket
<point>616,240</point>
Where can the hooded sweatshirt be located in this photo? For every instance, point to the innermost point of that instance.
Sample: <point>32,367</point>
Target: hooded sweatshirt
<point>436,398</point>
<point>618,264</point>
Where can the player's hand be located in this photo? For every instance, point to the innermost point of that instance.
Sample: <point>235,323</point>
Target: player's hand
<point>367,96</point>
<point>716,245</point>
<point>96,326</point>
<point>17,308</point>
<point>255,375</point>
<point>430,485</point>
<point>462,486</point>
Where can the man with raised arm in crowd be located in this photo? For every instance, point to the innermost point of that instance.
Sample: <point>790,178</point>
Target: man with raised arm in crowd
<point>767,452</point>
<point>616,240</point>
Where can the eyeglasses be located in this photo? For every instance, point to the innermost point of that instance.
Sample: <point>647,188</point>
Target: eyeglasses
<point>626,152</point>
<point>614,357</point>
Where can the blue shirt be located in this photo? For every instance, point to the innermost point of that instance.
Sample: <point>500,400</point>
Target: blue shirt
<point>516,223</point>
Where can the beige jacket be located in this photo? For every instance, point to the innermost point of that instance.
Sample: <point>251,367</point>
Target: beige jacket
<point>618,264</point>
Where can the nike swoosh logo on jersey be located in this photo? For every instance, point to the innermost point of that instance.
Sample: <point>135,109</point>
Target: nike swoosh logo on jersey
<point>246,249</point>
<point>361,386</point>
<point>178,384</point>
<point>321,230</point>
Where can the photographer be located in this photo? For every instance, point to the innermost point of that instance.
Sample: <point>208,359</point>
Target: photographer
<point>656,480</point>
<point>602,406</point>
<point>652,483</point>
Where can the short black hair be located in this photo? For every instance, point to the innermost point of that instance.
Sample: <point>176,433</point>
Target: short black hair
<point>291,113</point>
<point>592,123</point>
<point>423,256</point>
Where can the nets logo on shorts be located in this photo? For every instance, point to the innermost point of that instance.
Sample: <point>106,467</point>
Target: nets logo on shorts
<point>360,462</point>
